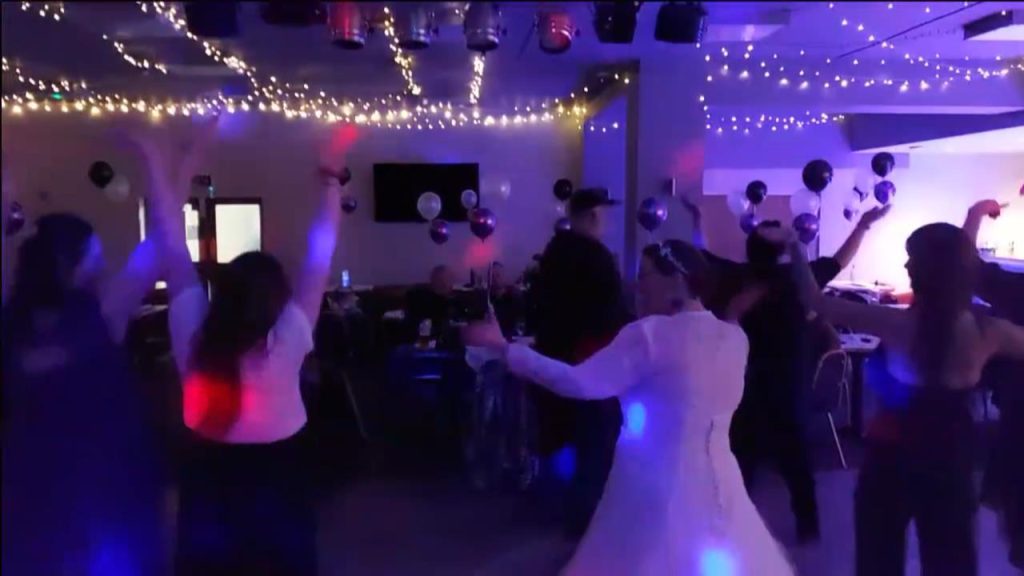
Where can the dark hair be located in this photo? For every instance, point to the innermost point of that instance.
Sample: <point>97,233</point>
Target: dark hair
<point>943,269</point>
<point>47,261</point>
<point>762,254</point>
<point>248,298</point>
<point>673,257</point>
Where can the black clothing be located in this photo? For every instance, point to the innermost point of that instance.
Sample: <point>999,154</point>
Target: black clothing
<point>770,420</point>
<point>580,307</point>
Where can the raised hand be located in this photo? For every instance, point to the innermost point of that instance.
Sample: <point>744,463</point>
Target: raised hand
<point>991,208</point>
<point>868,219</point>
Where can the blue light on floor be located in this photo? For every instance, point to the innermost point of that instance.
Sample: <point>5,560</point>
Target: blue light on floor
<point>717,562</point>
<point>636,420</point>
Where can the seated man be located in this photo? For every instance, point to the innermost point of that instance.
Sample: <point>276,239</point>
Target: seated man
<point>434,302</point>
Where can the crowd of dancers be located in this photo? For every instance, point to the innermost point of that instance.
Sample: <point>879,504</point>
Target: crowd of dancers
<point>717,357</point>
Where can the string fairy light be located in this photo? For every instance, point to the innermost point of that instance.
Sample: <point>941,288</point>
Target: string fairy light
<point>477,83</point>
<point>49,10</point>
<point>403,60</point>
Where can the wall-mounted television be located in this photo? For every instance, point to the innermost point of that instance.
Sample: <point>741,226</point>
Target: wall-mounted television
<point>397,187</point>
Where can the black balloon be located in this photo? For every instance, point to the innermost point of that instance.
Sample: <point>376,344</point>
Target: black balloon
<point>817,175</point>
<point>562,225</point>
<point>651,214</point>
<point>882,164</point>
<point>482,222</point>
<point>748,222</point>
<point>348,204</point>
<point>756,192</point>
<point>101,173</point>
<point>15,219</point>
<point>563,189</point>
<point>439,232</point>
<point>345,176</point>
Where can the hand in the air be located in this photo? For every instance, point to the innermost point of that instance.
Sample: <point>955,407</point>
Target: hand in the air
<point>990,208</point>
<point>869,218</point>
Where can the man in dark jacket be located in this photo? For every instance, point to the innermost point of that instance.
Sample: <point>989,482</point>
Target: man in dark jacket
<point>579,309</point>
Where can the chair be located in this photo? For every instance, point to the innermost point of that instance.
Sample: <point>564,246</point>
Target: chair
<point>830,390</point>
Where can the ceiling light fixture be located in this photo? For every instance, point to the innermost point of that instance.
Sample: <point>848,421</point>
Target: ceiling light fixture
<point>482,26</point>
<point>555,31</point>
<point>212,19</point>
<point>347,25</point>
<point>1004,26</point>
<point>414,26</point>
<point>615,22</point>
<point>681,23</point>
<point>293,13</point>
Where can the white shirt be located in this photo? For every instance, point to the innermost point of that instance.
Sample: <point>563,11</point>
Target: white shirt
<point>269,399</point>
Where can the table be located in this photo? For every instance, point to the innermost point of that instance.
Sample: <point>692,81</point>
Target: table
<point>858,347</point>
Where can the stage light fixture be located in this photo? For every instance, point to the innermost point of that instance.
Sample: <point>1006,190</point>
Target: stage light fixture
<point>482,26</point>
<point>212,19</point>
<point>293,13</point>
<point>414,26</point>
<point>555,31</point>
<point>347,25</point>
<point>680,23</point>
<point>615,22</point>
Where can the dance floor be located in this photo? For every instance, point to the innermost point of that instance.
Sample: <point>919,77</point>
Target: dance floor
<point>379,528</point>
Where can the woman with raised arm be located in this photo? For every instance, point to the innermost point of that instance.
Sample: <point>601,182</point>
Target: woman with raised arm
<point>675,501</point>
<point>81,475</point>
<point>247,504</point>
<point>919,460</point>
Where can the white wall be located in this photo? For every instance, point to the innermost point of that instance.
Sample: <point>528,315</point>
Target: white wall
<point>604,166</point>
<point>276,159</point>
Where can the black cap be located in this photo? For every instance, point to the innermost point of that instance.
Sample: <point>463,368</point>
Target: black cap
<point>589,198</point>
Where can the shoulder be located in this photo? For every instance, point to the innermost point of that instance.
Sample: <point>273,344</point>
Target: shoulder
<point>293,331</point>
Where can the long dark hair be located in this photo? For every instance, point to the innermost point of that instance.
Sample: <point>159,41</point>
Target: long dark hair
<point>677,257</point>
<point>47,261</point>
<point>248,298</point>
<point>943,269</point>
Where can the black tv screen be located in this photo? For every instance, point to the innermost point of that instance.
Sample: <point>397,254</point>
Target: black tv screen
<point>397,187</point>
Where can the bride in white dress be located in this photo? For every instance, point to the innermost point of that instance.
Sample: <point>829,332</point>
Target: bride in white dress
<point>674,503</point>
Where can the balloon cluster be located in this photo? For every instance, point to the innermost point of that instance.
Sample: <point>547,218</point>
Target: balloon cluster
<point>482,221</point>
<point>115,186</point>
<point>651,214</point>
<point>744,203</point>
<point>562,190</point>
<point>805,204</point>
<point>348,201</point>
<point>877,184</point>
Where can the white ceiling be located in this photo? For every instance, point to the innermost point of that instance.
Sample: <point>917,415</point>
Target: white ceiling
<point>1005,141</point>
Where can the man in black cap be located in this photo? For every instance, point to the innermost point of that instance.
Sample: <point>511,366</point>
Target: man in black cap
<point>579,309</point>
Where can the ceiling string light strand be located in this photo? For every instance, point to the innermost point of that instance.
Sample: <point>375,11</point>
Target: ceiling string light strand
<point>477,83</point>
<point>403,60</point>
<point>962,73</point>
<point>48,10</point>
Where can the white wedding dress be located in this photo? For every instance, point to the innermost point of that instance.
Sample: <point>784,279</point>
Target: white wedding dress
<point>674,504</point>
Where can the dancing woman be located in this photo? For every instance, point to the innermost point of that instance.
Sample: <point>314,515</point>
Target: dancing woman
<point>675,501</point>
<point>246,494</point>
<point>919,460</point>
<point>81,479</point>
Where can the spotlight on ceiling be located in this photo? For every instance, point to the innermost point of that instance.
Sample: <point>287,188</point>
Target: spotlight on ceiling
<point>1005,25</point>
<point>414,26</point>
<point>555,31</point>
<point>680,23</point>
<point>615,22</point>
<point>212,19</point>
<point>347,25</point>
<point>293,13</point>
<point>482,26</point>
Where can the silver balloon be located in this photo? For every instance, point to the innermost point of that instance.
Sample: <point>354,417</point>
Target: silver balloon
<point>429,205</point>
<point>738,202</point>
<point>119,189</point>
<point>469,199</point>
<point>804,201</point>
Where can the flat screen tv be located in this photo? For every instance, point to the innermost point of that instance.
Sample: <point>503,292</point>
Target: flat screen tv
<point>397,187</point>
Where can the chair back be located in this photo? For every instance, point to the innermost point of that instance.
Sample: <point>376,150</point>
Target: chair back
<point>831,380</point>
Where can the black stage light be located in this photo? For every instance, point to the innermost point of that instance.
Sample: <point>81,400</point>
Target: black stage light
<point>347,25</point>
<point>615,22</point>
<point>680,23</point>
<point>294,13</point>
<point>217,19</point>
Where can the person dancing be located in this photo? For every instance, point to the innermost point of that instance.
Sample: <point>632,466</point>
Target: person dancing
<point>918,460</point>
<point>247,504</point>
<point>1004,476</point>
<point>675,501</point>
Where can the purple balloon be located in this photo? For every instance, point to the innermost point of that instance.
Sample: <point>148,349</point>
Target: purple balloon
<point>748,222</point>
<point>482,222</point>
<point>15,219</point>
<point>806,227</point>
<point>652,214</point>
<point>562,225</point>
<point>884,192</point>
<point>349,204</point>
<point>439,232</point>
<point>850,213</point>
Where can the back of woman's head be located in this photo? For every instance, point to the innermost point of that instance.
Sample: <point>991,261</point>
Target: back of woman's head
<point>677,257</point>
<point>763,255</point>
<point>943,268</point>
<point>49,259</point>
<point>248,297</point>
